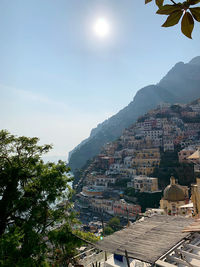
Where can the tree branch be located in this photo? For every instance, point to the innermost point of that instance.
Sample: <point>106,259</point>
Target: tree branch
<point>173,2</point>
<point>8,160</point>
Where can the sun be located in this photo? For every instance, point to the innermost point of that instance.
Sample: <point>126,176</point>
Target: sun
<point>101,27</point>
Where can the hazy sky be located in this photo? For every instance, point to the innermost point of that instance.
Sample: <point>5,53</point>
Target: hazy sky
<point>58,79</point>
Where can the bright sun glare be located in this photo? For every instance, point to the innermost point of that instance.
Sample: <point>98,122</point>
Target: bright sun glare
<point>101,28</point>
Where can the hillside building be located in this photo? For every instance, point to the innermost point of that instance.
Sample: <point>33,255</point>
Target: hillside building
<point>145,170</point>
<point>124,209</point>
<point>146,160</point>
<point>100,204</point>
<point>89,191</point>
<point>185,153</point>
<point>168,145</point>
<point>174,197</point>
<point>145,184</point>
<point>103,182</point>
<point>196,197</point>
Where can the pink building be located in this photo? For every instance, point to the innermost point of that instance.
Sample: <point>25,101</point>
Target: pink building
<point>121,208</point>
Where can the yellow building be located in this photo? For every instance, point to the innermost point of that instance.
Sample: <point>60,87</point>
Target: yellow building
<point>195,189</point>
<point>154,162</point>
<point>151,153</point>
<point>145,170</point>
<point>174,197</point>
<point>146,160</point>
<point>196,196</point>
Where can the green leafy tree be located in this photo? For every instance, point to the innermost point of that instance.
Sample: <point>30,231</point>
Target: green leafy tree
<point>33,201</point>
<point>108,230</point>
<point>114,223</point>
<point>112,226</point>
<point>186,11</point>
<point>65,241</point>
<point>130,192</point>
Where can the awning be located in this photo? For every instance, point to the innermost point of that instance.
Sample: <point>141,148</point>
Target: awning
<point>147,240</point>
<point>195,155</point>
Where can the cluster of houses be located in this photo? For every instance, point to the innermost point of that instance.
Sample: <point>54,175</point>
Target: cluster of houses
<point>131,160</point>
<point>155,239</point>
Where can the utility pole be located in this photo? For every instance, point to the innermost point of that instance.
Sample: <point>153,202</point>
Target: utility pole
<point>102,221</point>
<point>127,260</point>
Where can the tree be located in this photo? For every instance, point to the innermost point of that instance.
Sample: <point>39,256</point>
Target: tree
<point>33,201</point>
<point>130,192</point>
<point>114,223</point>
<point>108,230</point>
<point>65,242</point>
<point>186,10</point>
<point>112,226</point>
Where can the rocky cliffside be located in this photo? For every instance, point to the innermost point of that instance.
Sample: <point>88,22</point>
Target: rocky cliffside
<point>180,85</point>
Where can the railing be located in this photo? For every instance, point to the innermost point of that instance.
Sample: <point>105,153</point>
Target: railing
<point>92,256</point>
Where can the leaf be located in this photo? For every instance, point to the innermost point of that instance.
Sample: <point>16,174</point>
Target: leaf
<point>168,9</point>
<point>173,18</point>
<point>187,25</point>
<point>147,1</point>
<point>196,13</point>
<point>193,2</point>
<point>159,3</point>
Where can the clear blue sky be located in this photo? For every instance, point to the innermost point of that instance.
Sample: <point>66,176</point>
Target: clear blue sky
<point>58,79</point>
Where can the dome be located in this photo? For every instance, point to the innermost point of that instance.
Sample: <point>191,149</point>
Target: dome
<point>174,192</point>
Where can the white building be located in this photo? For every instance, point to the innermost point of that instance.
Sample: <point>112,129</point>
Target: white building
<point>168,145</point>
<point>145,184</point>
<point>103,182</point>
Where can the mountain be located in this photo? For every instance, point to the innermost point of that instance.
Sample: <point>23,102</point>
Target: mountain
<point>180,85</point>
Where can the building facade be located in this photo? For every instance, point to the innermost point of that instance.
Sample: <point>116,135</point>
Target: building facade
<point>174,197</point>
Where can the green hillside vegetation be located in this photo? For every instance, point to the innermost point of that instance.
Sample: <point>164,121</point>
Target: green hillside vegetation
<point>145,200</point>
<point>169,165</point>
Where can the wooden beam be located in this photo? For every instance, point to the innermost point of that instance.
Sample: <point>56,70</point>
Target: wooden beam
<point>177,260</point>
<point>186,253</point>
<point>106,256</point>
<point>84,253</point>
<point>172,249</point>
<point>184,261</point>
<point>164,264</point>
<point>192,247</point>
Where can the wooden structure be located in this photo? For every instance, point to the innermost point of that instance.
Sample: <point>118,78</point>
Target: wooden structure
<point>194,227</point>
<point>186,253</point>
<point>147,240</point>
